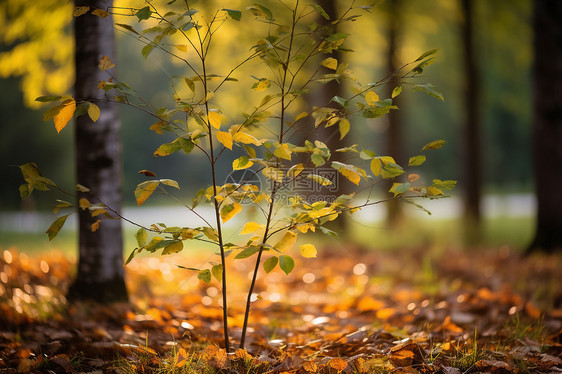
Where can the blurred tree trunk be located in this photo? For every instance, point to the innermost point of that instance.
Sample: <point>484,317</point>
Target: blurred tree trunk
<point>394,211</point>
<point>472,160</point>
<point>322,97</point>
<point>100,274</point>
<point>547,133</point>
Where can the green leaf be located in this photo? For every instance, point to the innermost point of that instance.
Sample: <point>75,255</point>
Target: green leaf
<point>286,263</point>
<point>173,248</point>
<point>436,144</point>
<point>321,10</point>
<point>55,227</point>
<point>144,13</point>
<point>247,252</point>
<point>317,159</point>
<point>416,160</point>
<point>142,236</point>
<point>444,185</point>
<point>211,233</point>
<point>234,14</point>
<point>144,190</point>
<point>367,155</point>
<point>426,54</point>
<point>25,190</point>
<point>319,179</point>
<point>217,272</point>
<point>270,264</point>
<point>146,50</point>
<point>205,275</point>
<point>429,89</point>
<point>170,182</point>
<point>131,256</point>
<point>399,188</point>
<point>46,99</point>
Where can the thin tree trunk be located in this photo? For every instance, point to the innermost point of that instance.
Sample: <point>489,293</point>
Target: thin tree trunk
<point>472,134</point>
<point>394,211</point>
<point>100,274</point>
<point>547,131</point>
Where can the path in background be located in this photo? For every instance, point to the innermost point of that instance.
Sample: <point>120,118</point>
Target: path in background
<point>513,205</point>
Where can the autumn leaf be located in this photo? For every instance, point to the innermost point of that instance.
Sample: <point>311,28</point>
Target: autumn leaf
<point>344,127</point>
<point>56,226</point>
<point>308,250</point>
<point>244,138</point>
<point>100,13</point>
<point>105,63</point>
<point>93,112</point>
<point>181,358</point>
<point>371,98</point>
<point>147,173</point>
<point>251,227</point>
<point>80,10</point>
<point>286,242</point>
<point>144,190</point>
<point>330,63</point>
<point>65,114</point>
<point>241,163</point>
<point>214,120</point>
<point>95,226</point>
<point>225,139</point>
<point>228,211</point>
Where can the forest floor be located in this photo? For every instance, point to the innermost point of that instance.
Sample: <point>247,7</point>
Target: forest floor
<point>404,311</point>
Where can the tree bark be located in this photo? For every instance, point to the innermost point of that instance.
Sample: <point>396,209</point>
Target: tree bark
<point>394,212</point>
<point>472,160</point>
<point>100,274</point>
<point>547,130</point>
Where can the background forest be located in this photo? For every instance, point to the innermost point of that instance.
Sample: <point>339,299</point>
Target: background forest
<point>37,61</point>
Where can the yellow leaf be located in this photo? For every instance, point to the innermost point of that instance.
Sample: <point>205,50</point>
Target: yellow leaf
<point>65,114</point>
<point>225,139</point>
<point>434,191</point>
<point>242,137</point>
<point>301,116</point>
<point>241,163</point>
<point>105,63</point>
<point>95,226</point>
<point>286,242</point>
<point>230,210</point>
<point>283,152</point>
<point>330,63</point>
<point>353,176</point>
<point>273,174</point>
<point>144,190</point>
<point>251,227</point>
<point>295,170</point>
<point>84,203</point>
<point>261,85</point>
<point>94,112</point>
<point>376,166</point>
<point>371,98</point>
<point>308,250</point>
<point>215,120</point>
<point>344,127</point>
<point>80,10</point>
<point>181,47</point>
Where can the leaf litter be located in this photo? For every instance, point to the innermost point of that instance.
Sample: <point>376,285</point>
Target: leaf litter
<point>412,311</point>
